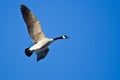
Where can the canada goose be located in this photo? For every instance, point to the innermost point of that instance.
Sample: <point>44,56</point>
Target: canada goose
<point>41,42</point>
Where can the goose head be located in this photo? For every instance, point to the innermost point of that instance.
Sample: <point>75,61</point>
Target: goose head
<point>61,37</point>
<point>65,37</point>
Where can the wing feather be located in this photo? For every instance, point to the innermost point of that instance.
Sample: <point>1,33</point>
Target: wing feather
<point>42,54</point>
<point>33,25</point>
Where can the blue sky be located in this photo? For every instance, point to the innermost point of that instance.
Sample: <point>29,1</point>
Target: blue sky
<point>91,53</point>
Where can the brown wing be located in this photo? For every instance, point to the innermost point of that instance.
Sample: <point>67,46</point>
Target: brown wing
<point>42,54</point>
<point>33,25</point>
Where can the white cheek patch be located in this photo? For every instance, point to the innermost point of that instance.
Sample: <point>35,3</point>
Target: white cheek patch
<point>64,37</point>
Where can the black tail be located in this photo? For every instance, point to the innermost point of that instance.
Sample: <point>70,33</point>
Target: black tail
<point>28,52</point>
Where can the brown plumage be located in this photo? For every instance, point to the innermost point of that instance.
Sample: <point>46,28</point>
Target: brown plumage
<point>34,30</point>
<point>33,25</point>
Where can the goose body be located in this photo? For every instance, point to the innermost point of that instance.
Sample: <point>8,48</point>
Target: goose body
<point>41,42</point>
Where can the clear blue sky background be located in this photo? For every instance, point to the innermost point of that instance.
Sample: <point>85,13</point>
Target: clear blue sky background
<point>91,53</point>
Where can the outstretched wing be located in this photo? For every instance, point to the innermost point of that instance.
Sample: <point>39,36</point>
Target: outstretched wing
<point>42,54</point>
<point>33,25</point>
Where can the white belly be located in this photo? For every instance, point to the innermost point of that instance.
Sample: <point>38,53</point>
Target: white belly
<point>41,44</point>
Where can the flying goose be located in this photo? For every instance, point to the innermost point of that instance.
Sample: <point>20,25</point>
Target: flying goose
<point>41,42</point>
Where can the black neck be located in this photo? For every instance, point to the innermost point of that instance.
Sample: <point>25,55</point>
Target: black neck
<point>58,38</point>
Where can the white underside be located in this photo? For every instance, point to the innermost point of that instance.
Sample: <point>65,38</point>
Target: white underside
<point>44,43</point>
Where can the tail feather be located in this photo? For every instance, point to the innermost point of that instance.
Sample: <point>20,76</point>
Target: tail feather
<point>28,52</point>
